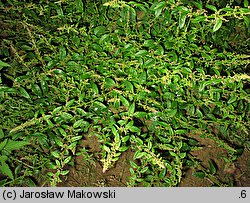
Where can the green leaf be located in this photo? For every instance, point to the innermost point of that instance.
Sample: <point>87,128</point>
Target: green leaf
<point>79,6</point>
<point>211,7</point>
<point>58,71</point>
<point>70,103</point>
<point>81,97</point>
<point>62,132</point>
<point>160,5</point>
<point>143,170</point>
<point>94,88</point>
<point>67,160</point>
<point>128,86</point>
<point>134,129</point>
<point>137,140</point>
<point>159,51</point>
<point>43,141</point>
<point>131,109</point>
<point>217,25</point>
<point>3,144</point>
<point>182,19</point>
<point>133,164</point>
<point>171,131</point>
<point>199,174</point>
<point>123,149</point>
<point>100,30</point>
<point>56,110</point>
<point>186,71</point>
<point>64,173</point>
<point>124,101</point>
<point>193,142</point>
<point>192,110</point>
<point>81,112</point>
<point>104,38</point>
<point>3,158</point>
<point>133,15</point>
<point>158,8</point>
<point>179,132</point>
<point>72,147</point>
<point>55,154</point>
<point>58,163</point>
<point>109,83</point>
<point>138,154</point>
<point>106,148</point>
<point>226,9</point>
<point>26,48</point>
<point>78,123</point>
<point>117,104</point>
<point>66,116</point>
<point>183,155</point>
<point>141,53</point>
<point>246,3</point>
<point>44,87</point>
<point>36,90</point>
<point>122,122</point>
<point>76,138</point>
<point>59,11</point>
<point>50,173</point>
<point>199,113</point>
<point>232,99</point>
<point>125,139</point>
<point>62,53</point>
<point>142,77</point>
<point>5,169</point>
<point>158,12</point>
<point>162,173</point>
<point>173,154</point>
<point>1,133</point>
<point>246,20</point>
<point>171,112</point>
<point>148,63</point>
<point>114,131</point>
<point>163,124</point>
<point>23,92</point>
<point>96,47</point>
<point>198,5</point>
<point>100,105</point>
<point>58,142</point>
<point>140,114</point>
<point>211,116</point>
<point>29,182</point>
<point>212,167</point>
<point>199,19</point>
<point>3,64</point>
<point>149,43</point>
<point>76,40</point>
<point>15,145</point>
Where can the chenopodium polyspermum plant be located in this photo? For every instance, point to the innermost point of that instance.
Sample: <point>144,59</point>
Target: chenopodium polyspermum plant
<point>115,148</point>
<point>154,58</point>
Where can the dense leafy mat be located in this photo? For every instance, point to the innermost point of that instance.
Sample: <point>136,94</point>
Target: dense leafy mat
<point>139,75</point>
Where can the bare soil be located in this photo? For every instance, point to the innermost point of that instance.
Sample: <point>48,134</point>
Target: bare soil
<point>236,173</point>
<point>89,172</point>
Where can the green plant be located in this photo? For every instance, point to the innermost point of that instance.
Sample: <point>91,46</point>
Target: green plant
<point>138,75</point>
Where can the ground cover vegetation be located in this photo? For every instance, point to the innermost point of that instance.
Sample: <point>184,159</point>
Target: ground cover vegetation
<point>143,76</point>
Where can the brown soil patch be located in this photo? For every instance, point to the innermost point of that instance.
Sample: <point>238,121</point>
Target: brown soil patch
<point>88,172</point>
<point>242,172</point>
<point>235,173</point>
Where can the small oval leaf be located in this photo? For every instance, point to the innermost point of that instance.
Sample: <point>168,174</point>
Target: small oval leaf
<point>217,25</point>
<point>23,92</point>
